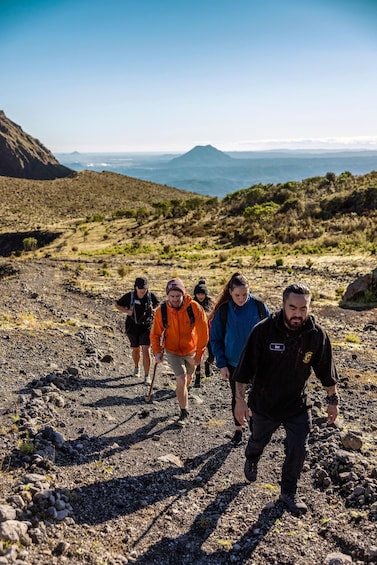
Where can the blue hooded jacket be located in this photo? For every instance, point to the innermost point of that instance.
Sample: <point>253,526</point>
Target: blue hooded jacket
<point>240,321</point>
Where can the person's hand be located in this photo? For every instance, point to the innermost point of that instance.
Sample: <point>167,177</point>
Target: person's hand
<point>158,357</point>
<point>224,371</point>
<point>241,411</point>
<point>196,360</point>
<point>332,413</point>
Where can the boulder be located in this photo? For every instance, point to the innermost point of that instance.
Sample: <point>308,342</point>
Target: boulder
<point>363,290</point>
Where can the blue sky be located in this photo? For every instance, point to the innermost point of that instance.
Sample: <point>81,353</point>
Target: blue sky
<point>163,75</point>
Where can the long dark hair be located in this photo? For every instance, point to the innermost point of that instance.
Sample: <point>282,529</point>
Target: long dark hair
<point>237,279</point>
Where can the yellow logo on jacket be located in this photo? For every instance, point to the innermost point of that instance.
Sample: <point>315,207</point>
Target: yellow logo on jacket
<point>307,357</point>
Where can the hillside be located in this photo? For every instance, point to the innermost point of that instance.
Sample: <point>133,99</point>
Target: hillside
<point>91,473</point>
<point>26,204</point>
<point>24,156</point>
<point>109,213</point>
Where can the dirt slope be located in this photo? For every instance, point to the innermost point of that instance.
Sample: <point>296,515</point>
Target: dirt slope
<point>139,489</point>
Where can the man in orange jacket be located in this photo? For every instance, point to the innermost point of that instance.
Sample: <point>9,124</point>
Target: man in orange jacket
<point>180,328</point>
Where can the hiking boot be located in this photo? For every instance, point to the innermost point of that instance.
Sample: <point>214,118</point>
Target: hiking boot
<point>136,372</point>
<point>293,502</point>
<point>207,369</point>
<point>251,470</point>
<point>237,438</point>
<point>183,417</point>
<point>147,380</point>
<point>197,381</point>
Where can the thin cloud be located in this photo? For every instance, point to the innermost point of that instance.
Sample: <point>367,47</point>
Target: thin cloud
<point>356,142</point>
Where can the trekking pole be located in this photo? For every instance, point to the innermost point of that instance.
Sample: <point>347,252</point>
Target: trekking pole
<point>148,397</point>
<point>162,342</point>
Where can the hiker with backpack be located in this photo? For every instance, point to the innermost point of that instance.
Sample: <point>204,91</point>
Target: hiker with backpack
<point>202,297</point>
<point>139,306</point>
<point>235,313</point>
<point>180,329</point>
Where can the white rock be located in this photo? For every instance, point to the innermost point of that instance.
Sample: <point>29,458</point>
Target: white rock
<point>171,458</point>
<point>7,512</point>
<point>13,530</point>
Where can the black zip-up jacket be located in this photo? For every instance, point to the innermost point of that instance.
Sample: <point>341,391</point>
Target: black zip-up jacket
<point>278,362</point>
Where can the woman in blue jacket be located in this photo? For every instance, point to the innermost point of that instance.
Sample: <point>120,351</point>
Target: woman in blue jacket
<point>235,313</point>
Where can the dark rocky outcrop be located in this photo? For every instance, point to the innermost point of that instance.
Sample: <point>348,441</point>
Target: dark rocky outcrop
<point>23,156</point>
<point>362,291</point>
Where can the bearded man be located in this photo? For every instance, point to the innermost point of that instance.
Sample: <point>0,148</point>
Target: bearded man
<point>275,365</point>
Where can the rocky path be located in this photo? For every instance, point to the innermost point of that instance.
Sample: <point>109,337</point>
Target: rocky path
<point>91,473</point>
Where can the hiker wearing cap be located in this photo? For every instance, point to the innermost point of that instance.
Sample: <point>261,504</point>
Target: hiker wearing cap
<point>235,314</point>
<point>180,328</point>
<point>139,306</point>
<point>202,297</point>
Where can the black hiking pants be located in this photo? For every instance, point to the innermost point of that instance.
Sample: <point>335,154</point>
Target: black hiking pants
<point>232,383</point>
<point>297,429</point>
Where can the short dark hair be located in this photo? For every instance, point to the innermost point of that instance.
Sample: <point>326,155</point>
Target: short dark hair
<point>296,289</point>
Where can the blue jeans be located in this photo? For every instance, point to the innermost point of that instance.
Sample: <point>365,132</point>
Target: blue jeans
<point>297,429</point>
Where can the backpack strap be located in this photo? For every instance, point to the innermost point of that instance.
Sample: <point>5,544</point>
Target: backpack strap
<point>164,314</point>
<point>149,305</point>
<point>223,312</point>
<point>191,315</point>
<point>261,308</point>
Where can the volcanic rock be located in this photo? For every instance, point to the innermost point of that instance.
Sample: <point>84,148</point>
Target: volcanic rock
<point>23,156</point>
<point>363,289</point>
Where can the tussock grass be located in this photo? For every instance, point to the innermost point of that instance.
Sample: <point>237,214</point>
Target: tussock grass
<point>109,228</point>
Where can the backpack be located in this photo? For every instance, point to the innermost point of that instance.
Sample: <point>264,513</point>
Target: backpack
<point>223,312</point>
<point>164,315</point>
<point>132,299</point>
<point>149,308</point>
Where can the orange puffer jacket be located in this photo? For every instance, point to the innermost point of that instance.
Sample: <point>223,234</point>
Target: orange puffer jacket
<point>181,337</point>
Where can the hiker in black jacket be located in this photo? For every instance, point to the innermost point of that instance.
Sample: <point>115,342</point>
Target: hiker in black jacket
<point>277,361</point>
<point>139,306</point>
<point>202,297</point>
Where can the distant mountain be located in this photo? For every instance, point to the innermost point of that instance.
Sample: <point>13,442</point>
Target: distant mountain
<point>23,156</point>
<point>206,170</point>
<point>202,156</point>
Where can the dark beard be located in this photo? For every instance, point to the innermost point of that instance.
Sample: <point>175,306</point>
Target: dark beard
<point>293,327</point>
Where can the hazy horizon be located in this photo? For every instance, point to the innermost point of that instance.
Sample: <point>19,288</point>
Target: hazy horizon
<point>282,149</point>
<point>340,144</point>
